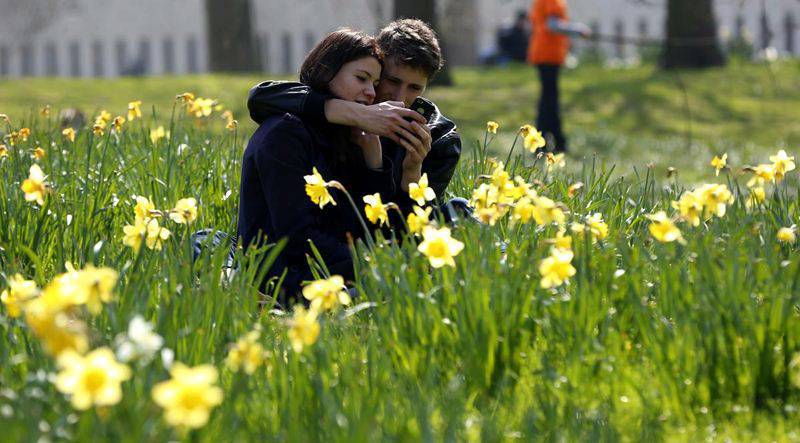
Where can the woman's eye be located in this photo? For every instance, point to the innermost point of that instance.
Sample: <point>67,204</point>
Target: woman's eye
<point>363,79</point>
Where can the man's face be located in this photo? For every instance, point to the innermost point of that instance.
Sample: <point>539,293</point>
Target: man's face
<point>400,83</point>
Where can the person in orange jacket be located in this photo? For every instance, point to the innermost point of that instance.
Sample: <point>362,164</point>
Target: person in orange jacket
<point>548,50</point>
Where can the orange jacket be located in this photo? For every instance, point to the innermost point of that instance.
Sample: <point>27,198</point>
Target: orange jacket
<point>547,48</point>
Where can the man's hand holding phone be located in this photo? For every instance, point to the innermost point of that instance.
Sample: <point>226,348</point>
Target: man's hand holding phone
<point>387,119</point>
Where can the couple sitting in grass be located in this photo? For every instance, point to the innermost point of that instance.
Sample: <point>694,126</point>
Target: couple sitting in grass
<point>346,121</point>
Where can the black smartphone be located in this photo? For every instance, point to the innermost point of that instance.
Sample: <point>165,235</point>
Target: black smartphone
<point>424,107</point>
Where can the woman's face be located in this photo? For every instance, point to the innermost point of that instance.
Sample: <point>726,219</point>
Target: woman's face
<point>356,80</point>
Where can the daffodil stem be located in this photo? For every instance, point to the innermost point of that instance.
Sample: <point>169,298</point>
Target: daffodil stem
<point>511,151</point>
<point>368,235</point>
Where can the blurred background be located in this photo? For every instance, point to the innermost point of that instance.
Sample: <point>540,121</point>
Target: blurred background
<point>633,93</point>
<point>92,38</point>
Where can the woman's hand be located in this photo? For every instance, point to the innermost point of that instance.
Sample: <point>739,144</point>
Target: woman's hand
<point>370,145</point>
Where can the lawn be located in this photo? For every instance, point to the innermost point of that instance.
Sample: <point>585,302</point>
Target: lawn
<point>626,116</point>
<point>598,301</point>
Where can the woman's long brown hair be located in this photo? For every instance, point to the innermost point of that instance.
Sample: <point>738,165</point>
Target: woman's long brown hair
<point>334,51</point>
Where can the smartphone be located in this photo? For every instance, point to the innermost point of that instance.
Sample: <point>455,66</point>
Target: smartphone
<point>424,107</point>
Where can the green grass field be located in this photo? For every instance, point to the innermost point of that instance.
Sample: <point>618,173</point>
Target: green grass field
<point>627,117</point>
<point>676,341</point>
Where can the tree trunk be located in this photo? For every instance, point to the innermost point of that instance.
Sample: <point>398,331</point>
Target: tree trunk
<point>231,41</point>
<point>691,35</point>
<point>425,10</point>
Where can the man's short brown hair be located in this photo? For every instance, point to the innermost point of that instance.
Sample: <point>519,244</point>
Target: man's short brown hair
<point>413,43</point>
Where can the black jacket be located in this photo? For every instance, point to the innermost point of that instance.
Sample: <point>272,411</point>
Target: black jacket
<point>273,203</point>
<point>274,97</point>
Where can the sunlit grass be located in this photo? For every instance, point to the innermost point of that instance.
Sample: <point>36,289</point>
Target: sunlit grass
<point>647,341</point>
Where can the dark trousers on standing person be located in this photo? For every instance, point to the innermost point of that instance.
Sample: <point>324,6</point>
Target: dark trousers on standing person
<point>549,119</point>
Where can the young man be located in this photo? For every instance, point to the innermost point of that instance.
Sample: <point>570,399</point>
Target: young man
<point>412,58</point>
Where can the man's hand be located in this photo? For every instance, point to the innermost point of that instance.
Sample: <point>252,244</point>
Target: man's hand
<point>387,119</point>
<point>417,148</point>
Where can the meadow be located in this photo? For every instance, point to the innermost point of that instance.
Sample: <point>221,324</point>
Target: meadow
<point>625,305</point>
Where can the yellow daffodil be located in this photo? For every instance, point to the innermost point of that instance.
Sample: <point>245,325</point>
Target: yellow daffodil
<point>317,189</point>
<point>486,201</point>
<point>522,189</point>
<point>201,107</point>
<point>690,207</point>
<point>420,192</point>
<point>93,379</point>
<point>524,130</point>
<point>227,116</point>
<point>303,328</point>
<point>45,111</point>
<point>185,211</point>
<point>232,125</point>
<point>144,208</point>
<point>491,127</point>
<point>663,229</point>
<point>523,210</point>
<point>557,268</point>
<point>134,110</point>
<point>500,177</point>
<point>547,211</point>
<point>118,122</point>
<point>134,234</point>
<point>573,189</point>
<point>96,285</point>
<point>719,162</point>
<point>156,235</point>
<point>781,164</point>
<point>561,240</point>
<point>326,294</point>
<point>787,235</point>
<point>104,117</point>
<point>534,140</point>
<point>3,150</point>
<point>757,196</point>
<point>761,174</point>
<point>69,134</point>
<point>418,219</point>
<point>39,153</point>
<point>58,331</point>
<point>555,160</point>
<point>376,210</point>
<point>24,133</point>
<point>186,97</point>
<point>12,137</point>
<point>98,130</point>
<point>34,187</point>
<point>18,293</point>
<point>158,134</point>
<point>188,396</point>
<point>597,226</point>
<point>715,198</point>
<point>247,353</point>
<point>439,246</point>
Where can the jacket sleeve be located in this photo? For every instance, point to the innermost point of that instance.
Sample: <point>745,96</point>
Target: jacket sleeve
<point>275,98</point>
<point>441,161</point>
<point>370,181</point>
<point>282,162</point>
<point>440,164</point>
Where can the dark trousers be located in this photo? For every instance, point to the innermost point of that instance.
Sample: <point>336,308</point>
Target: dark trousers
<point>548,120</point>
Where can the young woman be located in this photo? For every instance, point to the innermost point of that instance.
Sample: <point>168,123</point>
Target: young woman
<point>273,203</point>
